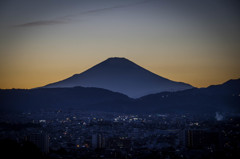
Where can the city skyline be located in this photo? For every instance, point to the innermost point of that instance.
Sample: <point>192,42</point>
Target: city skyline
<point>189,41</point>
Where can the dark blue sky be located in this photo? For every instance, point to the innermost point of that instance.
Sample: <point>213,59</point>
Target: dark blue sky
<point>194,41</point>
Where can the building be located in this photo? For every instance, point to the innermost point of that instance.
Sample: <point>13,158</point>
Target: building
<point>200,138</point>
<point>98,141</point>
<point>41,140</point>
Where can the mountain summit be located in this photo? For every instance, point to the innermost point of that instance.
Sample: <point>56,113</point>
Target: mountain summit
<point>121,75</point>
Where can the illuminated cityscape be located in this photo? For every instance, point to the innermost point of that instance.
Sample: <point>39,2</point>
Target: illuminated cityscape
<point>77,134</point>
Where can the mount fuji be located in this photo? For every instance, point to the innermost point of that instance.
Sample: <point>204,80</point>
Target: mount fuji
<point>123,76</point>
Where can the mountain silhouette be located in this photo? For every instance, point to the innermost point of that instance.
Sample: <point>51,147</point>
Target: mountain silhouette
<point>60,98</point>
<point>223,98</point>
<point>217,98</point>
<point>123,76</point>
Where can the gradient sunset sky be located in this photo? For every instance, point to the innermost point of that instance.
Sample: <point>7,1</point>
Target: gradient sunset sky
<point>192,41</point>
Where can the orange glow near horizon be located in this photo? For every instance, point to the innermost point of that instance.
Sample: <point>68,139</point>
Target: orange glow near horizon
<point>184,42</point>
<point>27,77</point>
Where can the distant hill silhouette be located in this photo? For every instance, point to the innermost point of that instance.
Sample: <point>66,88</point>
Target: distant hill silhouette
<point>224,97</point>
<point>123,76</point>
<point>65,98</point>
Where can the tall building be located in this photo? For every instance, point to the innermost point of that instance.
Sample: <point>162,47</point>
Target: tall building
<point>98,141</point>
<point>201,138</point>
<point>41,140</point>
<point>194,138</point>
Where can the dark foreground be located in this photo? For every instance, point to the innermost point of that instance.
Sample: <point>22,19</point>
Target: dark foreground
<point>76,134</point>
